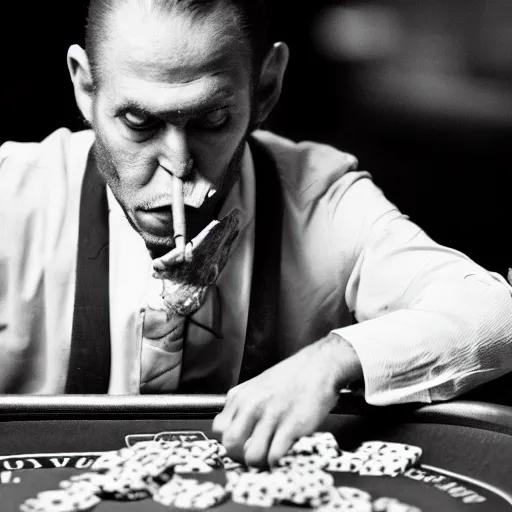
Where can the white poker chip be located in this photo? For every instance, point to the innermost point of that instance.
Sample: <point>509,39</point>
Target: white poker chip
<point>229,464</point>
<point>111,460</point>
<point>252,497</point>
<point>60,501</point>
<point>193,466</point>
<point>214,462</point>
<point>190,494</point>
<point>304,461</point>
<point>124,484</point>
<point>384,466</point>
<point>353,493</point>
<point>347,499</point>
<point>320,443</point>
<point>283,485</point>
<point>382,504</point>
<point>410,452</point>
<point>386,504</point>
<point>84,482</point>
<point>347,462</point>
<point>346,506</point>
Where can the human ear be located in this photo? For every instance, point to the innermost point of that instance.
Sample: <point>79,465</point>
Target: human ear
<point>80,73</point>
<point>270,81</point>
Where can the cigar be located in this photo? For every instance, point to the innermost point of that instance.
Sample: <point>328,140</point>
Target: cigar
<point>178,214</point>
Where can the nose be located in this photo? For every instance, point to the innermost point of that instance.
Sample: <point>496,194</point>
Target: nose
<point>175,157</point>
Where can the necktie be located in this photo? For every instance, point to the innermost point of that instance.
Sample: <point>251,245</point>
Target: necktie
<point>162,343</point>
<point>173,296</point>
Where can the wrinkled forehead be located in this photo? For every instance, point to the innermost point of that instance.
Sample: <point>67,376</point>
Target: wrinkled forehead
<point>172,46</point>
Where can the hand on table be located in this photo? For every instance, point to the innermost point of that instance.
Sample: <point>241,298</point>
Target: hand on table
<point>265,415</point>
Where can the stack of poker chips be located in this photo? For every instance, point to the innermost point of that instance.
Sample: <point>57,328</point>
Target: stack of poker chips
<point>164,472</point>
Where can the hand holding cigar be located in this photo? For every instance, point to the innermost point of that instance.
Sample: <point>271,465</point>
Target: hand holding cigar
<point>188,270</point>
<point>187,275</point>
<point>177,255</point>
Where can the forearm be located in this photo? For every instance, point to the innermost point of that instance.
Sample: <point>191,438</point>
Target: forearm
<point>453,339</point>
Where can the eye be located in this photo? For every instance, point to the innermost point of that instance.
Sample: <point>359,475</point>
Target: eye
<point>214,119</point>
<point>139,122</point>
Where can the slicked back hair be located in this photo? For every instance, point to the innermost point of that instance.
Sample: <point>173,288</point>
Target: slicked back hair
<point>250,17</point>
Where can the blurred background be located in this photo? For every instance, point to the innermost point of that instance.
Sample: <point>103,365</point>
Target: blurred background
<point>420,92</point>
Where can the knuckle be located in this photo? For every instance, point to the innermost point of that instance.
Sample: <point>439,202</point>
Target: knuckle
<point>232,439</point>
<point>218,424</point>
<point>231,443</point>
<point>232,394</point>
<point>274,411</point>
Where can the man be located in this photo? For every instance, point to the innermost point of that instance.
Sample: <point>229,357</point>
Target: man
<point>174,91</point>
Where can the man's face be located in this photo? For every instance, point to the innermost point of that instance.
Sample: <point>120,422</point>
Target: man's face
<point>171,89</point>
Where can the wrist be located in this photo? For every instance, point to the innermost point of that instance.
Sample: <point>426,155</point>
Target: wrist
<point>345,362</point>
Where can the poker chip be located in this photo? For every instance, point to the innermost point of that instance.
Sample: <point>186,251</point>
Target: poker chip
<point>319,443</point>
<point>111,460</point>
<point>404,451</point>
<point>384,466</point>
<point>194,466</point>
<point>347,462</point>
<point>387,459</point>
<point>337,502</point>
<point>385,504</point>
<point>124,484</point>
<point>376,458</point>
<point>353,493</point>
<point>229,464</point>
<point>304,461</point>
<point>84,482</point>
<point>340,505</point>
<point>190,494</point>
<point>253,497</point>
<point>60,501</point>
<point>287,486</point>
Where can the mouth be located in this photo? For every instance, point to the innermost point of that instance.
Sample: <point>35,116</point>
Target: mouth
<point>166,208</point>
<point>156,220</point>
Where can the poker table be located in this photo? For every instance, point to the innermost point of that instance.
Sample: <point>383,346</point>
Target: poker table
<point>466,462</point>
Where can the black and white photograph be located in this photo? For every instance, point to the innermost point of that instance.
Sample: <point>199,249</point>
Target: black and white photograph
<point>255,254</point>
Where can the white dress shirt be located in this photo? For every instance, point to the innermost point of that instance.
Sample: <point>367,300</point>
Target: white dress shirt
<point>431,322</point>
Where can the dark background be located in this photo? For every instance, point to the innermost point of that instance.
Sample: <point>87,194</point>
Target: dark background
<point>420,92</point>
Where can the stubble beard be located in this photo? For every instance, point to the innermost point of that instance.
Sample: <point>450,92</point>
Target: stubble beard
<point>197,219</point>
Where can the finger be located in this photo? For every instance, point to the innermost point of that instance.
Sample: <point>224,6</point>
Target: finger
<point>257,446</point>
<point>239,432</point>
<point>223,420</point>
<point>285,435</point>
<point>168,260</point>
<point>179,254</point>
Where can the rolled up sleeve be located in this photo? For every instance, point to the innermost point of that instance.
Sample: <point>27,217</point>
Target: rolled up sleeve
<point>431,323</point>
